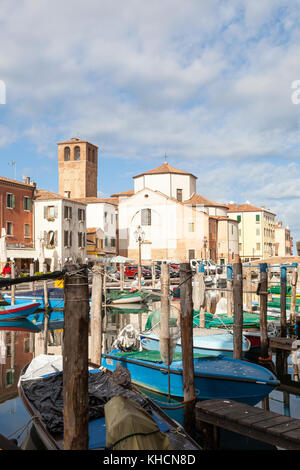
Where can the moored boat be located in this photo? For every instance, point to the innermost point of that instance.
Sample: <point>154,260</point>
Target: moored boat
<point>215,377</point>
<point>23,324</point>
<point>41,389</point>
<point>214,344</point>
<point>9,312</point>
<point>125,297</point>
<point>55,297</point>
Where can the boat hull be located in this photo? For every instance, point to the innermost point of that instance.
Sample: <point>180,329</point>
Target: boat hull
<point>214,378</point>
<point>210,344</point>
<point>11,312</point>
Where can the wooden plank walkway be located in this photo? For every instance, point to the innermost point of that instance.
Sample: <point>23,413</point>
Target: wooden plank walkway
<point>266,426</point>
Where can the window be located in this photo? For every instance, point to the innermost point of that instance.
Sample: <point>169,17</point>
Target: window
<point>192,227</point>
<point>81,240</point>
<point>81,215</point>
<point>9,377</point>
<point>77,153</point>
<point>9,229</point>
<point>146,217</point>
<point>10,201</point>
<point>67,238</point>
<point>27,203</point>
<point>66,154</point>
<point>51,239</point>
<point>106,242</point>
<point>50,212</point>
<point>257,231</point>
<point>179,195</point>
<point>192,254</point>
<point>258,246</point>
<point>68,212</point>
<point>113,242</point>
<point>239,218</point>
<point>27,230</point>
<point>257,217</point>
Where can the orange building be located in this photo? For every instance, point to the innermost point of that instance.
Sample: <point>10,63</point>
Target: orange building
<point>16,218</point>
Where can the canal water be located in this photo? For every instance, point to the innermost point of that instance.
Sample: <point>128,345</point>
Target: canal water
<point>19,347</point>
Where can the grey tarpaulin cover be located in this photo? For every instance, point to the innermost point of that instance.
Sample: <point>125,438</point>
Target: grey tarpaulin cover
<point>46,394</point>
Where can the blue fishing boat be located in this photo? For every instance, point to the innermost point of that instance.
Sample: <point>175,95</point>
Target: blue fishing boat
<point>9,312</point>
<point>55,319</point>
<point>117,413</point>
<point>22,324</point>
<point>55,297</point>
<point>215,377</point>
<point>214,344</point>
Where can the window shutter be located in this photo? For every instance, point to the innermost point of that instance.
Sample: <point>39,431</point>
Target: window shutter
<point>55,212</point>
<point>71,238</point>
<point>55,238</point>
<point>13,201</point>
<point>46,212</point>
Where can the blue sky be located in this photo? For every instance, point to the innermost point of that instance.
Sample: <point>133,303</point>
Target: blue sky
<point>209,83</point>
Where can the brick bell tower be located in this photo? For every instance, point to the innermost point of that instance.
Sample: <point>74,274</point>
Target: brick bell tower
<point>77,168</point>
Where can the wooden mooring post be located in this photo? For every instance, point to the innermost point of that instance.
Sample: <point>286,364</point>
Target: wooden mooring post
<point>294,280</point>
<point>46,314</point>
<point>96,313</point>
<point>237,288</point>
<point>229,290</point>
<point>199,294</point>
<point>186,323</point>
<point>13,287</point>
<point>283,328</point>
<point>263,301</point>
<point>75,358</point>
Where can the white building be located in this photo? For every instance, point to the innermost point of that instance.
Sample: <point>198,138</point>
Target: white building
<point>283,240</point>
<point>60,229</point>
<point>102,214</point>
<point>176,223</point>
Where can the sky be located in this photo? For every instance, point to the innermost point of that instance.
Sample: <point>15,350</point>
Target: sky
<point>213,84</point>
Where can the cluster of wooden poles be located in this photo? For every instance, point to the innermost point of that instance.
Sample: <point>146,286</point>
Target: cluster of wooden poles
<point>76,331</point>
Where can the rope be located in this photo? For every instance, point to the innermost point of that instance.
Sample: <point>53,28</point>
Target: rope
<point>23,428</point>
<point>170,407</point>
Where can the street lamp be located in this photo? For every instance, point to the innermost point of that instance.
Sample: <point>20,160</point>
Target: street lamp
<point>139,237</point>
<point>204,245</point>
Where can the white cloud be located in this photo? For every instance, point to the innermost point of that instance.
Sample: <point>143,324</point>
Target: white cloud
<point>208,82</point>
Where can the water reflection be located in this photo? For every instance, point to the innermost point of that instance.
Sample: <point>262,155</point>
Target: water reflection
<point>20,343</point>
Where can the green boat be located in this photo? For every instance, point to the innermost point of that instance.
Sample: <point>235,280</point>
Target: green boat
<point>250,320</point>
<point>125,297</point>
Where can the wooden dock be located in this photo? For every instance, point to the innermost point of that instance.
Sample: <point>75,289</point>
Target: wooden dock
<point>256,423</point>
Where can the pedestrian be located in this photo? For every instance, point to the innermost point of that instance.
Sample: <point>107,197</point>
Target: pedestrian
<point>7,273</point>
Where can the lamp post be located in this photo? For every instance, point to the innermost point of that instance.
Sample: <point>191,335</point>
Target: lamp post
<point>139,236</point>
<point>204,245</point>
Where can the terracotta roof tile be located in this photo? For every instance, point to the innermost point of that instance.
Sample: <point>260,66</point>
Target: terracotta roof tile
<point>165,168</point>
<point>197,199</point>
<point>246,208</point>
<point>95,200</point>
<point>130,192</point>
<point>44,195</point>
<point>21,183</point>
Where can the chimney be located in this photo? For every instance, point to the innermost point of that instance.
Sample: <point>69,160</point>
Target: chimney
<point>26,179</point>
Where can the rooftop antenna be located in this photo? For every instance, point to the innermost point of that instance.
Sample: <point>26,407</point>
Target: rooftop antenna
<point>14,164</point>
<point>166,158</point>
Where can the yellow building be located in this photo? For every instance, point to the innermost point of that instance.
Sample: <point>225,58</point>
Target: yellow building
<point>256,231</point>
